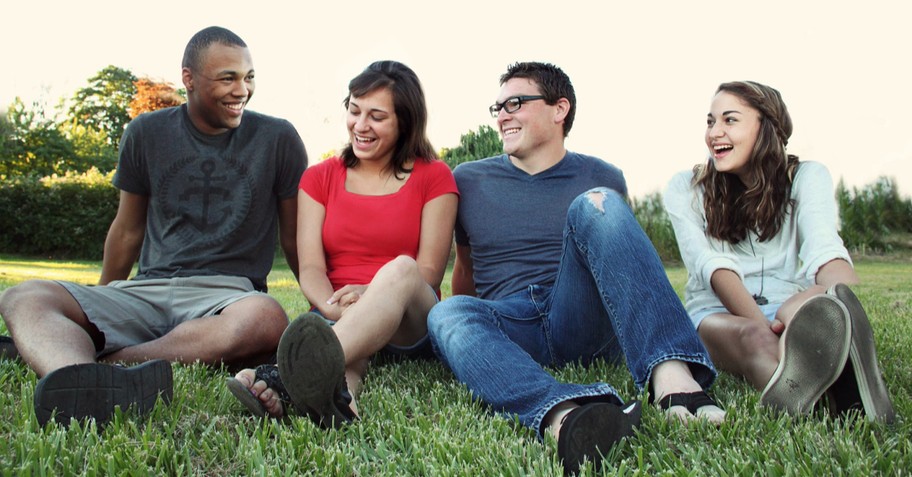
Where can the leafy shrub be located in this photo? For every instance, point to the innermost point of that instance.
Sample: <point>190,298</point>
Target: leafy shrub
<point>474,145</point>
<point>650,213</point>
<point>871,214</point>
<point>60,216</point>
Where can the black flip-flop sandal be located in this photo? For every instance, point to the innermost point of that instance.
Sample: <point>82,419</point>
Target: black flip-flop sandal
<point>690,401</point>
<point>268,373</point>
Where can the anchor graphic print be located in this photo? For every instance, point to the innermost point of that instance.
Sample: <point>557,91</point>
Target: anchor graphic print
<point>205,199</point>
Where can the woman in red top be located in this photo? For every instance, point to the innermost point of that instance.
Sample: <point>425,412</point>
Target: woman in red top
<point>375,227</point>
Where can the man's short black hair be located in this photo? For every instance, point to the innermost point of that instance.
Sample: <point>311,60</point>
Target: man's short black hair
<point>205,37</point>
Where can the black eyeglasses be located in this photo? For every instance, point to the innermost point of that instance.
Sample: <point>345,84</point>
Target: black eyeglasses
<point>511,104</point>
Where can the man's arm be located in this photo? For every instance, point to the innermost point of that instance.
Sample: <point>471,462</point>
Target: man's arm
<point>125,238</point>
<point>288,226</point>
<point>463,282</point>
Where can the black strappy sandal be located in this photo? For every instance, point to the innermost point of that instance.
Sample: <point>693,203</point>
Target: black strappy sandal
<point>691,401</point>
<point>268,373</point>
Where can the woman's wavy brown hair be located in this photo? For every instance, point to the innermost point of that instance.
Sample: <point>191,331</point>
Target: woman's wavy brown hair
<point>734,208</point>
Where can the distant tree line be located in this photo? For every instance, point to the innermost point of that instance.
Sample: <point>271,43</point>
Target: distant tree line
<point>56,197</point>
<point>81,132</point>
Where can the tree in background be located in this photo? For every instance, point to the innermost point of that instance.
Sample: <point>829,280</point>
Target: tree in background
<point>473,146</point>
<point>33,144</point>
<point>153,95</point>
<point>872,217</point>
<point>6,139</point>
<point>90,147</point>
<point>103,104</point>
<point>653,218</point>
<point>36,143</point>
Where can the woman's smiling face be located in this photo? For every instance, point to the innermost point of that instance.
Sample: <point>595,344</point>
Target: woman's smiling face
<point>732,128</point>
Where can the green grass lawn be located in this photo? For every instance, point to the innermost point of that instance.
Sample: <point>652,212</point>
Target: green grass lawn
<point>417,420</point>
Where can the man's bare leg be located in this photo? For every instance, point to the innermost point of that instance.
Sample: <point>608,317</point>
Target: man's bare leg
<point>245,333</point>
<point>48,325</point>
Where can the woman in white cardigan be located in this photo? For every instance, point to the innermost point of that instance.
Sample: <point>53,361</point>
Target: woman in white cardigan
<point>767,271</point>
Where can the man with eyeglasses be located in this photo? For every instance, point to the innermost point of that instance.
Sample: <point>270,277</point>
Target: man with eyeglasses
<point>205,188</point>
<point>552,268</point>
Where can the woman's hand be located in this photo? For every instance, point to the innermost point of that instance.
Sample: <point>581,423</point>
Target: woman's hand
<point>347,296</point>
<point>777,326</point>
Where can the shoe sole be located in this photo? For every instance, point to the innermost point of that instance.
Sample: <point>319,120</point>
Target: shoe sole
<point>95,390</point>
<point>815,350</point>
<point>589,433</point>
<point>312,366</point>
<point>863,359</point>
<point>246,397</point>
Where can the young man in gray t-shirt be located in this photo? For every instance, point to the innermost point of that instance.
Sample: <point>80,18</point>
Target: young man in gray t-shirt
<point>205,188</point>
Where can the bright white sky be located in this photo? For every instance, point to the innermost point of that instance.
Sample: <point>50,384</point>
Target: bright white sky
<point>644,72</point>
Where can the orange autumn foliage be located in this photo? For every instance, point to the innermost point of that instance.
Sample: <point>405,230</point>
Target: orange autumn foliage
<point>153,95</point>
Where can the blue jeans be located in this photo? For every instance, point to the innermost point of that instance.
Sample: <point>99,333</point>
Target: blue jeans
<point>611,299</point>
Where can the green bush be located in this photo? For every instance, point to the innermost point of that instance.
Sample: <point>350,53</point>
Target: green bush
<point>58,216</point>
<point>871,214</point>
<point>650,213</point>
<point>474,145</point>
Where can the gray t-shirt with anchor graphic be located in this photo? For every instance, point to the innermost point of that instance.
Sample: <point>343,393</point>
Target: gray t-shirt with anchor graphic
<point>213,200</point>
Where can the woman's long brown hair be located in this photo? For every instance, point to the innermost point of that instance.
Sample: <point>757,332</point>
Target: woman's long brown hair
<point>733,208</point>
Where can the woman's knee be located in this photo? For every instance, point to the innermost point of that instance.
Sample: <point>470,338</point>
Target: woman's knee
<point>398,271</point>
<point>787,311</point>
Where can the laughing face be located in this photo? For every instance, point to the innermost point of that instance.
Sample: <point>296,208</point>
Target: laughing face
<point>526,129</point>
<point>221,89</point>
<point>373,127</point>
<point>732,127</point>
